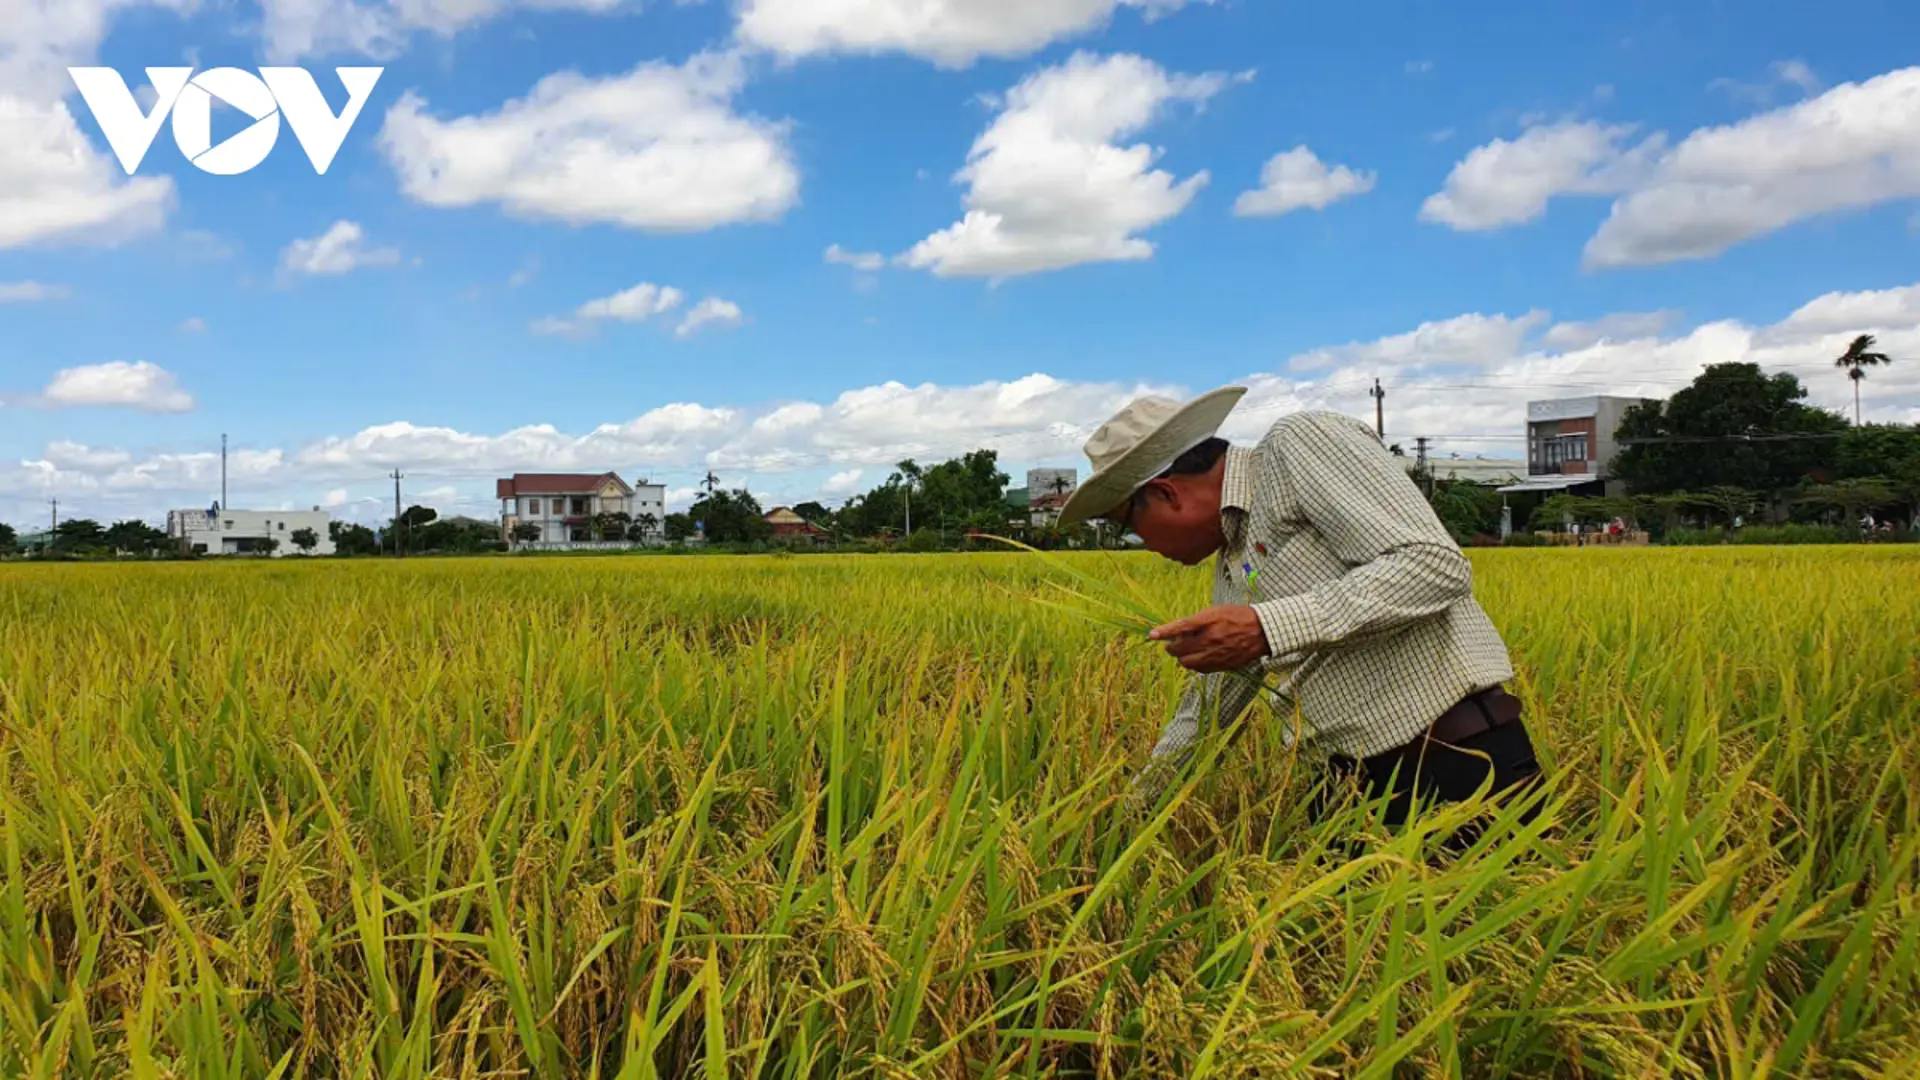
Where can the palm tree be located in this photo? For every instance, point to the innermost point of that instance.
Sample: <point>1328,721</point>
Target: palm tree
<point>1857,359</point>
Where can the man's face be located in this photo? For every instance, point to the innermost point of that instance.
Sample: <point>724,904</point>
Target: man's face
<point>1178,518</point>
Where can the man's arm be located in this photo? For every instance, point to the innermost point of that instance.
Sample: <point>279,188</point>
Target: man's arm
<point>1222,695</point>
<point>1357,495</point>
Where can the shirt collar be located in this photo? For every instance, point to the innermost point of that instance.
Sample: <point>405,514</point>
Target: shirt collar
<point>1236,483</point>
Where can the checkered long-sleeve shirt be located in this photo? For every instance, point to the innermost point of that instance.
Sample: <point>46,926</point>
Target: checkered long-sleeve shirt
<point>1349,570</point>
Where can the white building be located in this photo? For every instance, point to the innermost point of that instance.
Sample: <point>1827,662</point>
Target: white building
<point>563,505</point>
<point>217,531</point>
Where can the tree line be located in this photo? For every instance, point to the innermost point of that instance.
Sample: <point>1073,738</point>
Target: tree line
<point>1736,446</point>
<point>1740,447</point>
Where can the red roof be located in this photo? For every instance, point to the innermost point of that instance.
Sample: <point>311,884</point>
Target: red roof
<point>555,484</point>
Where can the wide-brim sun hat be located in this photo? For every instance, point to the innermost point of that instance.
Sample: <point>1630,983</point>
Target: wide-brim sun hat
<point>1139,443</point>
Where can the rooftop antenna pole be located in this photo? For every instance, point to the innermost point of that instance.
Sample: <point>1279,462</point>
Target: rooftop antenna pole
<point>223,470</point>
<point>1379,397</point>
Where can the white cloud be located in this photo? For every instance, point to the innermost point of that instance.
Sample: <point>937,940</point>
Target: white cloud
<point>843,483</point>
<point>1855,146</point>
<point>65,454</point>
<point>1048,187</point>
<point>339,250</point>
<point>1419,67</point>
<point>55,187</point>
<point>712,311</point>
<point>1465,340</point>
<point>142,385</point>
<point>31,292</point>
<point>657,148</point>
<point>1298,180</point>
<point>1624,326</point>
<point>194,325</point>
<point>295,29</point>
<point>1443,135</point>
<point>336,497</point>
<point>1783,73</point>
<point>948,33</point>
<point>1509,182</point>
<point>1456,380</point>
<point>859,260</point>
<point>637,304</point>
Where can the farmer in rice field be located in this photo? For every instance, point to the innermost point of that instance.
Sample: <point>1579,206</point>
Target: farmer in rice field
<point>1332,569</point>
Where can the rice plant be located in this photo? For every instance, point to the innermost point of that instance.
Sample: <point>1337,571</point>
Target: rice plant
<point>864,816</point>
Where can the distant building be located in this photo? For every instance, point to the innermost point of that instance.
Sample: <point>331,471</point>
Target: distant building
<point>563,505</point>
<point>1051,482</point>
<point>788,525</point>
<point>1474,470</point>
<point>1570,444</point>
<point>219,531</point>
<point>1047,492</point>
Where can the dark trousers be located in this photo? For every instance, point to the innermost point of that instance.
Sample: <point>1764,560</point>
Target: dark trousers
<point>1436,767</point>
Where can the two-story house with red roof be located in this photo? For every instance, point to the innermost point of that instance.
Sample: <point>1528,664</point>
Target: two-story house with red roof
<point>564,505</point>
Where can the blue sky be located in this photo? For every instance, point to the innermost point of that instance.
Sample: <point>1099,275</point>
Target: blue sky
<point>1534,201</point>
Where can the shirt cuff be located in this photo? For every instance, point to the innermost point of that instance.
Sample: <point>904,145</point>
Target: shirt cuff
<point>1291,623</point>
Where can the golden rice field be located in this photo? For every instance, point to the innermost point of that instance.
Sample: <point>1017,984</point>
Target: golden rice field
<point>861,816</point>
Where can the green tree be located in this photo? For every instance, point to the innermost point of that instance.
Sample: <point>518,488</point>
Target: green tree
<point>678,527</point>
<point>526,532</point>
<point>815,512</point>
<point>9,540</point>
<point>351,540</point>
<point>610,525</point>
<point>78,535</point>
<point>643,527</point>
<point>1853,497</point>
<point>1466,509</point>
<point>1856,360</point>
<point>1720,433</point>
<point>135,537</point>
<point>306,540</point>
<point>1878,450</point>
<point>403,531</point>
<point>731,517</point>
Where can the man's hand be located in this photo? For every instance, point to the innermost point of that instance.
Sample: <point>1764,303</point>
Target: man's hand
<point>1222,638</point>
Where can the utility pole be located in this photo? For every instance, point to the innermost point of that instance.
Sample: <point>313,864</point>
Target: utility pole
<point>396,514</point>
<point>223,470</point>
<point>1420,463</point>
<point>55,525</point>
<point>1379,397</point>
